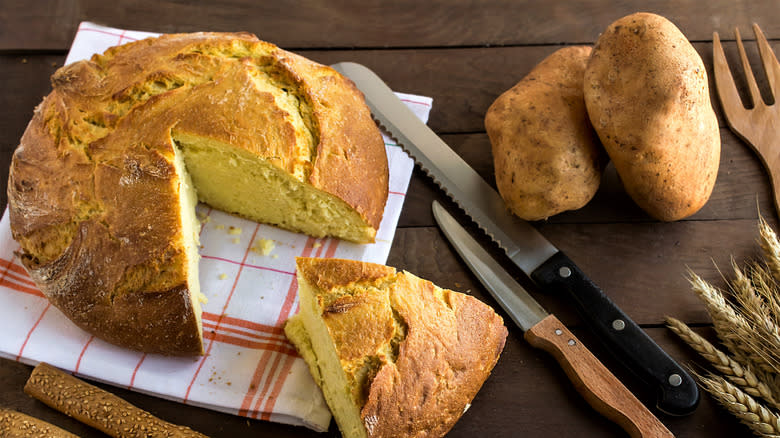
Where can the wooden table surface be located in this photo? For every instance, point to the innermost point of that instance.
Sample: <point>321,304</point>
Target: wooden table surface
<point>463,54</point>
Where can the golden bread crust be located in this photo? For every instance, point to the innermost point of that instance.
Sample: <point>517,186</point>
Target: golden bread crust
<point>429,349</point>
<point>327,274</point>
<point>452,344</point>
<point>94,194</point>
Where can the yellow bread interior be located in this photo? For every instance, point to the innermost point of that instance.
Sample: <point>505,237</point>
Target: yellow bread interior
<point>190,228</point>
<point>311,336</point>
<point>233,180</point>
<point>297,334</point>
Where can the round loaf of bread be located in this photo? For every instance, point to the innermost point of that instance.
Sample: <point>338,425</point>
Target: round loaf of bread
<point>103,186</point>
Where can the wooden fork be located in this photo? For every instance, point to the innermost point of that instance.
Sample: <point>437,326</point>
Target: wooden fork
<point>759,126</point>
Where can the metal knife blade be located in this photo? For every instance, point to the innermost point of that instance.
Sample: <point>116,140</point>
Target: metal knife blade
<point>522,243</point>
<point>592,379</point>
<point>525,311</point>
<point>548,267</point>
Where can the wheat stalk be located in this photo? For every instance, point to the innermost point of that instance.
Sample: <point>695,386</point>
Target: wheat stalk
<point>758,418</point>
<point>734,330</point>
<point>744,290</point>
<point>749,293</point>
<point>748,325</point>
<point>766,287</point>
<point>771,247</point>
<point>772,380</point>
<point>771,275</point>
<point>733,370</point>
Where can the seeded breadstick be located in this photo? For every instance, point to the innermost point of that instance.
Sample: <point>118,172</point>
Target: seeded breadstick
<point>98,408</point>
<point>17,425</point>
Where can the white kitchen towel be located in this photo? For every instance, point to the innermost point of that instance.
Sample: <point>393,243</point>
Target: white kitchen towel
<point>247,272</point>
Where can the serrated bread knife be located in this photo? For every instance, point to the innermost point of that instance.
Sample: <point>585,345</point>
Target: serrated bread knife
<point>600,388</point>
<point>548,267</point>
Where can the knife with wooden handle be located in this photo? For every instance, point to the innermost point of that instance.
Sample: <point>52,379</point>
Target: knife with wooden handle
<point>600,388</point>
<point>548,267</point>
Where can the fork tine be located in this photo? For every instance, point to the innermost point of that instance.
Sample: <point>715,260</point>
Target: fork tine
<point>768,58</point>
<point>727,89</point>
<point>755,94</point>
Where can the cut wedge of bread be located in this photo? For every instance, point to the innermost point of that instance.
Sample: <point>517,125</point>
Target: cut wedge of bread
<point>394,355</point>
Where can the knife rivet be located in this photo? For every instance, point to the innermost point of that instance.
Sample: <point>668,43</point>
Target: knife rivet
<point>618,324</point>
<point>675,380</point>
<point>564,272</point>
<point>558,332</point>
<point>572,342</point>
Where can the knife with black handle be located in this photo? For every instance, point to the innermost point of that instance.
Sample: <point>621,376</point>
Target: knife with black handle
<point>599,387</point>
<point>677,393</point>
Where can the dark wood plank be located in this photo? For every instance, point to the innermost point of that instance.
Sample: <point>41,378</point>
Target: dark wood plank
<point>527,395</point>
<point>26,83</point>
<point>465,82</point>
<point>13,376</point>
<point>407,23</point>
<point>643,268</point>
<point>741,191</point>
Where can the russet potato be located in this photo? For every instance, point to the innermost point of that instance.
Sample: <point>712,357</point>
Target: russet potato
<point>647,96</point>
<point>546,155</point>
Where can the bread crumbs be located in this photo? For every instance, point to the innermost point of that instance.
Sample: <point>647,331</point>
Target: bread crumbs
<point>234,230</point>
<point>263,246</point>
<point>222,276</point>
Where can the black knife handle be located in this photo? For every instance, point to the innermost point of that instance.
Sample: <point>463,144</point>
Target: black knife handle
<point>677,393</point>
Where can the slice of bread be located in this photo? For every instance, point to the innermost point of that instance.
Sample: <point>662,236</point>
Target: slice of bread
<point>394,354</point>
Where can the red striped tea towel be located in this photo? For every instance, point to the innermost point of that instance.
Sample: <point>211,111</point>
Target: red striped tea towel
<point>249,368</point>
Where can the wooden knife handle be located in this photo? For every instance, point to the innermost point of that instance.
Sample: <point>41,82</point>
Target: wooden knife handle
<point>594,381</point>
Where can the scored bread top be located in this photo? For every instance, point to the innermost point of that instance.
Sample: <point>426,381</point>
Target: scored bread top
<point>93,191</point>
<point>417,354</point>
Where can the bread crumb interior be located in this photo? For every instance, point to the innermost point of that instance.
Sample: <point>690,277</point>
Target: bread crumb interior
<point>233,180</point>
<point>311,336</point>
<point>190,227</point>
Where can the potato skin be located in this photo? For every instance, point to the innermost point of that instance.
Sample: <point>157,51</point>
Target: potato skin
<point>648,99</point>
<point>546,155</point>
